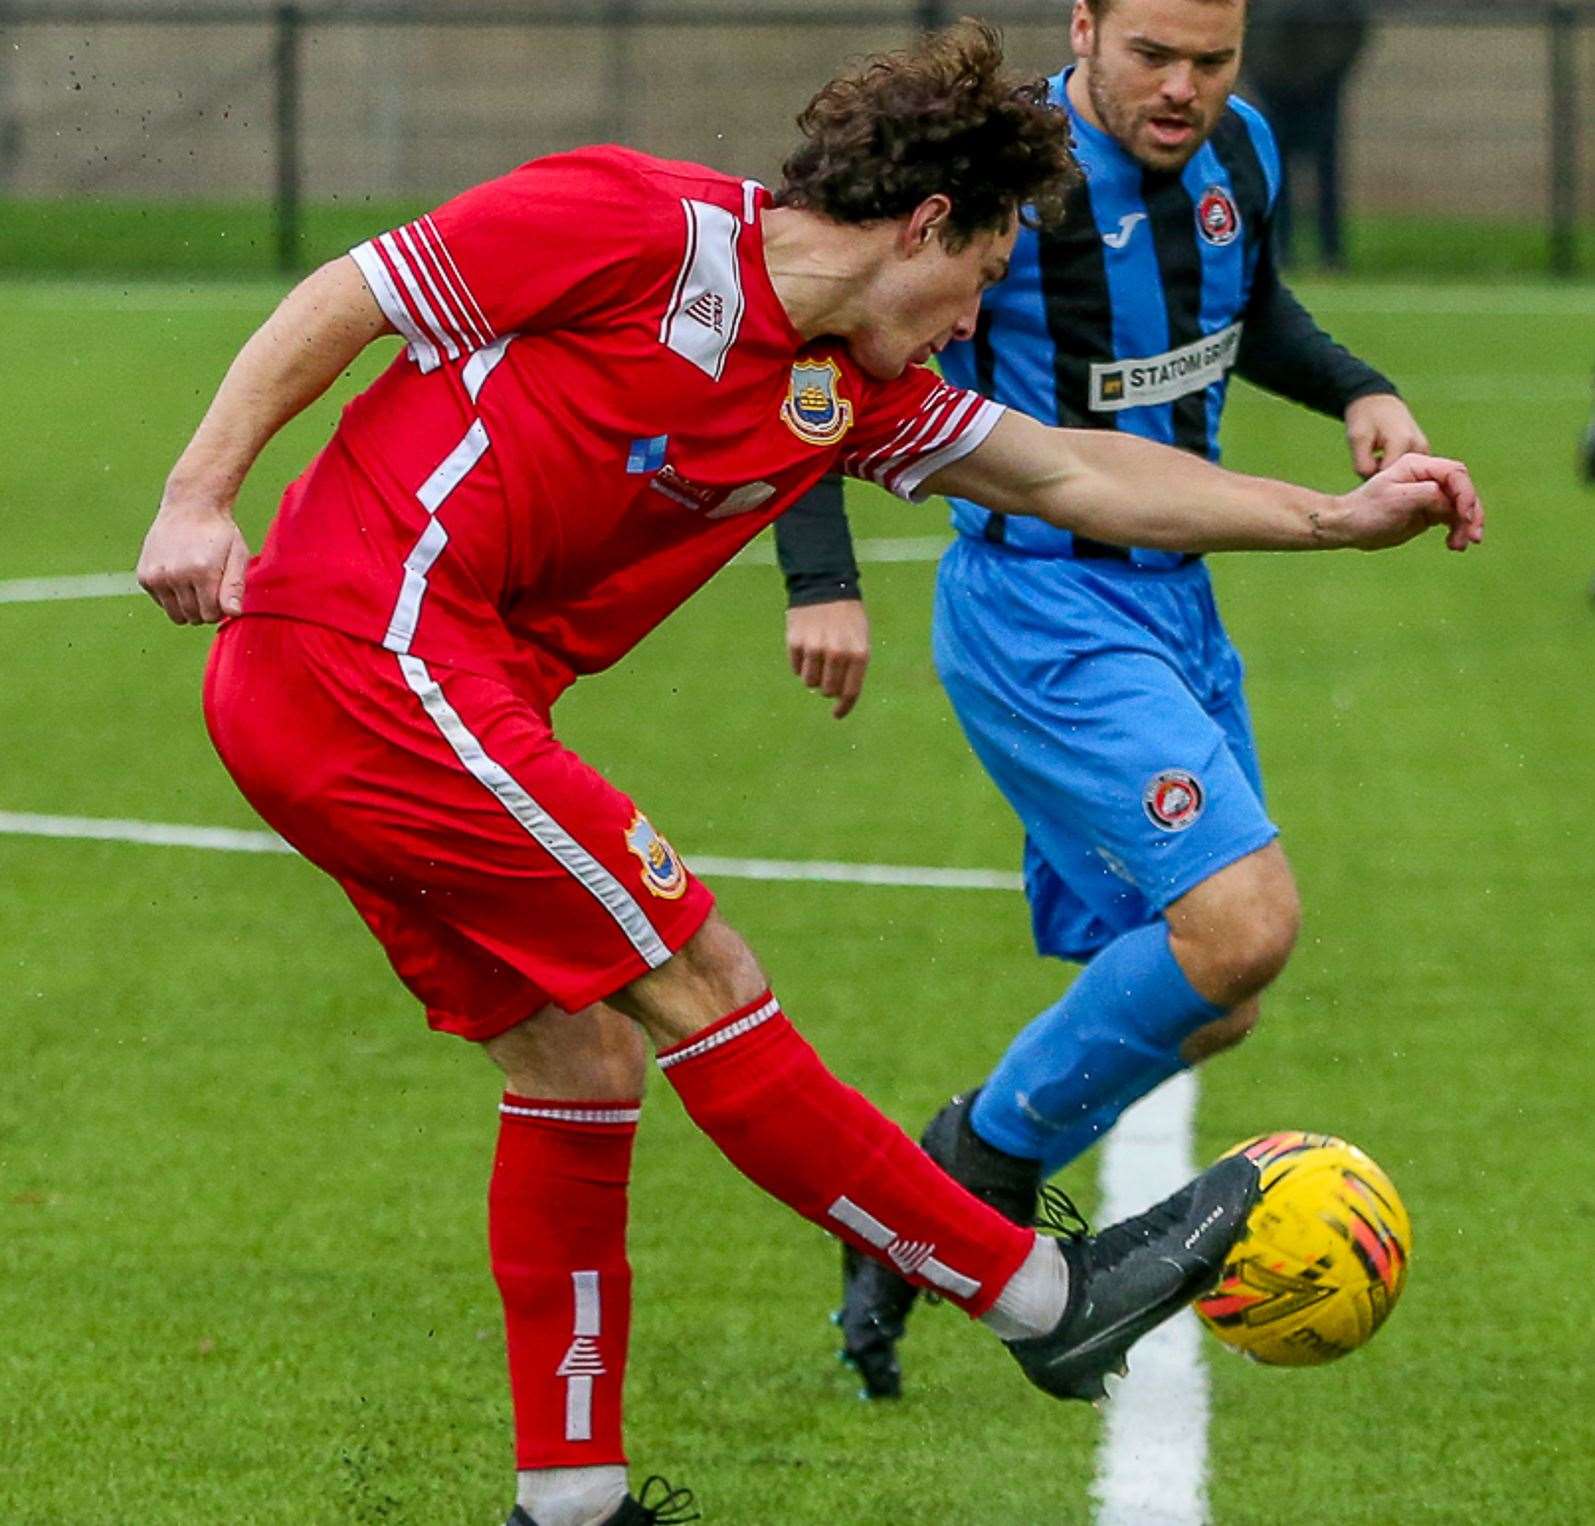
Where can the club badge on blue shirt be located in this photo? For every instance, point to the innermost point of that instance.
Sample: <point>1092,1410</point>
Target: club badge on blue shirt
<point>1218,219</point>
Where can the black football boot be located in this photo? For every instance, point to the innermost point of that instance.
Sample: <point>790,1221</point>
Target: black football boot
<point>875,1300</point>
<point>655,1506</point>
<point>1134,1275</point>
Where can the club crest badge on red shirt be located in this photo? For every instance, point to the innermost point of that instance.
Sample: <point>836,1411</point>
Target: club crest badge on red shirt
<point>662,870</point>
<point>1217,216</point>
<point>1173,799</point>
<point>813,410</point>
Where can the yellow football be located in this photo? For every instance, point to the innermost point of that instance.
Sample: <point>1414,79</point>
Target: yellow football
<point>1324,1257</point>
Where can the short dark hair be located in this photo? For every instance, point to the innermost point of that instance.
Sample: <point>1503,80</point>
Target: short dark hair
<point>1100,8</point>
<point>945,117</point>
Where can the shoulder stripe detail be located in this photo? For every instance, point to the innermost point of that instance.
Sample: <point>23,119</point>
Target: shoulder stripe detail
<point>422,294</point>
<point>913,427</point>
<point>939,422</point>
<point>538,824</point>
<point>462,285</point>
<point>440,285</point>
<point>705,312</point>
<point>573,1114</point>
<point>445,278</point>
<point>430,324</point>
<point>947,426</point>
<point>720,1036</point>
<point>383,287</point>
<point>448,323</point>
<point>750,199</point>
<point>973,433</point>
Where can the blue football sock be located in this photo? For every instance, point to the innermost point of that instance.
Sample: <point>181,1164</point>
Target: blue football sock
<point>1115,1035</point>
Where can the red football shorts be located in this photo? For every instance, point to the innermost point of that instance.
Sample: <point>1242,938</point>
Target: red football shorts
<point>498,870</point>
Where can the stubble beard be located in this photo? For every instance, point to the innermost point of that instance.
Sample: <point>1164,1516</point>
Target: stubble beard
<point>1124,125</point>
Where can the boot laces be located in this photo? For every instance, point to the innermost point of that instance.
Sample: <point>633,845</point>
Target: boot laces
<point>658,1501</point>
<point>1057,1215</point>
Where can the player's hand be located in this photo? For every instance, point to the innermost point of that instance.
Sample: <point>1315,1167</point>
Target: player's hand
<point>828,647</point>
<point>1379,429</point>
<point>193,564</point>
<point>1408,498</point>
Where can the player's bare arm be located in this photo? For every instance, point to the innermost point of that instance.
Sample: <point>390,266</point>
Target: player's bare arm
<point>1380,428</point>
<point>1115,487</point>
<point>194,556</point>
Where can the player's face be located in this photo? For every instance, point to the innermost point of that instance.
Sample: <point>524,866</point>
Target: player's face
<point>928,297</point>
<point>1156,73</point>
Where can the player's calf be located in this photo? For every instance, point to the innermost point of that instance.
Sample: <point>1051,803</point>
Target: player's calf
<point>1233,1028</point>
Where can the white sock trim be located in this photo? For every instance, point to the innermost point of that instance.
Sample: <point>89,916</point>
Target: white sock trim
<point>1034,1298</point>
<point>571,1496</point>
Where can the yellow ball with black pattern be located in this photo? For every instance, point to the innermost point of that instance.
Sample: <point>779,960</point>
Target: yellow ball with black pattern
<point>1324,1257</point>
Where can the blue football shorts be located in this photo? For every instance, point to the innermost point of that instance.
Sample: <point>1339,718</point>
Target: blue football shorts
<point>1106,703</point>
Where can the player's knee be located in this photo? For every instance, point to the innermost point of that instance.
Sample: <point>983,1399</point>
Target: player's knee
<point>1234,934</point>
<point>1263,944</point>
<point>594,1055</point>
<point>712,974</point>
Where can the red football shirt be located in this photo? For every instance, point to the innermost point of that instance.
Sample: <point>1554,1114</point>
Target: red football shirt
<point>601,401</point>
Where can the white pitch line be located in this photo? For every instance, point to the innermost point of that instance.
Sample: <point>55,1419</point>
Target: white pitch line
<point>232,840</point>
<point>1152,1462</point>
<point>878,549</point>
<point>89,585</point>
<point>111,585</point>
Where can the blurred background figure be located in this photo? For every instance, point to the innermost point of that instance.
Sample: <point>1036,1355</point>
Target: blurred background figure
<point>1586,452</point>
<point>10,125</point>
<point>1299,55</point>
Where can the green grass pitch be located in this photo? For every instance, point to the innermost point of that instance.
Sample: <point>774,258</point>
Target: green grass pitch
<point>242,1271</point>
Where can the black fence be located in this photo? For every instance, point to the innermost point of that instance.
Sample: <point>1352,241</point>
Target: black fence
<point>1467,109</point>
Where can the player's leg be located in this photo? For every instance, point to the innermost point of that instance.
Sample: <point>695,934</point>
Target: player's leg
<point>557,1210</point>
<point>758,1089</point>
<point>1136,752</point>
<point>557,1205</point>
<point>1130,794</point>
<point>1068,1309</point>
<point>1154,1001</point>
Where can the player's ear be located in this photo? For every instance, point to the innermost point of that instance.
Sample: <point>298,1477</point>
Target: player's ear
<point>1082,29</point>
<point>926,222</point>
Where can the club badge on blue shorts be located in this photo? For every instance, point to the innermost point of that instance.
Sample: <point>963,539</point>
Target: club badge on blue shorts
<point>1173,799</point>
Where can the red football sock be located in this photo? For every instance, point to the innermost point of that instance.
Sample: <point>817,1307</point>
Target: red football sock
<point>756,1087</point>
<point>557,1228</point>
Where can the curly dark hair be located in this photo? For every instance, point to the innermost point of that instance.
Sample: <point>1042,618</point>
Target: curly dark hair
<point>945,117</point>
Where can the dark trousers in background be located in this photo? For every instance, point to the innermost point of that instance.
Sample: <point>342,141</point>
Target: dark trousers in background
<point>1308,132</point>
